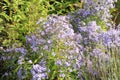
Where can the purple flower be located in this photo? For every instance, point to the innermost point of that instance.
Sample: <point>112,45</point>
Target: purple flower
<point>21,74</point>
<point>31,40</point>
<point>39,71</point>
<point>62,75</point>
<point>85,13</point>
<point>21,50</point>
<point>58,62</point>
<point>67,64</point>
<point>97,53</point>
<point>39,68</point>
<point>110,38</point>
<point>34,49</point>
<point>21,60</point>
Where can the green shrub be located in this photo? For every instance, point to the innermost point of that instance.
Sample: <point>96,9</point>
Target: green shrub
<point>61,7</point>
<point>18,18</point>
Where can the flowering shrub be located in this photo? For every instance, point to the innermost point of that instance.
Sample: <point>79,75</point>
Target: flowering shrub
<point>65,49</point>
<point>94,10</point>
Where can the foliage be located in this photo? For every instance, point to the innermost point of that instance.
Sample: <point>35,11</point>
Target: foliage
<point>18,18</point>
<point>77,46</point>
<point>62,7</point>
<point>100,11</point>
<point>116,13</point>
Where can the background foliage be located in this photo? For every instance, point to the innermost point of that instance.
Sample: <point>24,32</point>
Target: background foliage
<point>18,17</point>
<point>116,13</point>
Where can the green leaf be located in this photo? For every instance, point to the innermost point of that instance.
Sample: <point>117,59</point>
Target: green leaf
<point>1,20</point>
<point>1,28</point>
<point>5,15</point>
<point>8,3</point>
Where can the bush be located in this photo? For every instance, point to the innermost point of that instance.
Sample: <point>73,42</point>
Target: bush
<point>78,46</point>
<point>18,18</point>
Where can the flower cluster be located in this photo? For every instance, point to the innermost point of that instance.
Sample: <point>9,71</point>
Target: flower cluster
<point>100,7</point>
<point>39,71</point>
<point>94,43</point>
<point>90,32</point>
<point>56,33</point>
<point>111,38</point>
<point>61,47</point>
<point>93,10</point>
<point>88,39</point>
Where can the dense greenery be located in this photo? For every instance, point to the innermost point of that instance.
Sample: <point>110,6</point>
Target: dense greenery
<point>116,13</point>
<point>59,40</point>
<point>18,17</point>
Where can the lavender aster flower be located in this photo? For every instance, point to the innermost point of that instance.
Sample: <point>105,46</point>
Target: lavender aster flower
<point>39,71</point>
<point>111,38</point>
<point>21,50</point>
